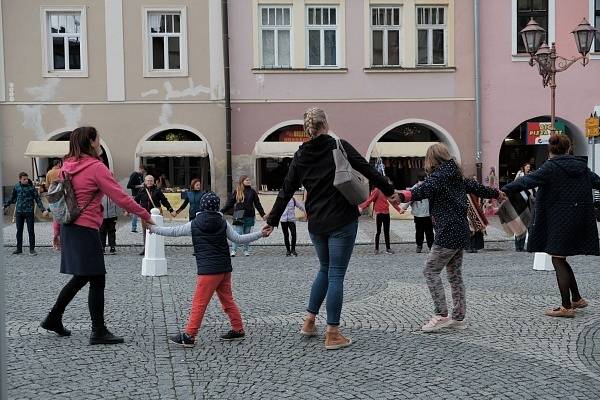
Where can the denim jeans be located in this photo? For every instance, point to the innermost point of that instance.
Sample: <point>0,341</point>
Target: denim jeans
<point>242,230</point>
<point>334,250</point>
<point>21,219</point>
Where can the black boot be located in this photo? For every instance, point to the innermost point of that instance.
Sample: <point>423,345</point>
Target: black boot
<point>103,336</point>
<point>54,324</point>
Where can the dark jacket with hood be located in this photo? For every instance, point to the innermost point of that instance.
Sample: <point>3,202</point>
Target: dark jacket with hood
<point>314,168</point>
<point>209,236</point>
<point>158,197</point>
<point>251,201</point>
<point>563,222</point>
<point>447,188</point>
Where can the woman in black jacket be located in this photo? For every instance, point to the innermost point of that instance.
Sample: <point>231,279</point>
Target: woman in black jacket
<point>332,220</point>
<point>243,198</point>
<point>563,223</point>
<point>151,197</point>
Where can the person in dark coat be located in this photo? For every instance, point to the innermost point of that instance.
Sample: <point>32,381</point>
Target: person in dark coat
<point>447,189</point>
<point>332,220</point>
<point>563,223</point>
<point>135,184</point>
<point>151,197</point>
<point>192,197</point>
<point>245,198</point>
<point>209,232</point>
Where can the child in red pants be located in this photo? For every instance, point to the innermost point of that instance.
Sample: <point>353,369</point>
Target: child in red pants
<point>210,232</point>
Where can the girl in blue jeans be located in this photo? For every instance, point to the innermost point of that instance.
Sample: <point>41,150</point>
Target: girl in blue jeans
<point>332,220</point>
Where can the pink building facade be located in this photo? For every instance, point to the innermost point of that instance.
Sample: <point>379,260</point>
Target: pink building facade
<point>393,76</point>
<point>512,91</point>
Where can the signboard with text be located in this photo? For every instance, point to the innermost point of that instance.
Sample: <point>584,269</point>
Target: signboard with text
<point>592,127</point>
<point>539,132</point>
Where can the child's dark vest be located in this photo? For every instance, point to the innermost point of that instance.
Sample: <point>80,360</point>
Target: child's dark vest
<point>209,236</point>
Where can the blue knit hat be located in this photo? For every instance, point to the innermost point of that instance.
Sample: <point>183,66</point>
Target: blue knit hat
<point>210,202</point>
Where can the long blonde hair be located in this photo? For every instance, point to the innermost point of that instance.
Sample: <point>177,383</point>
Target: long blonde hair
<point>314,120</point>
<point>239,191</point>
<point>436,155</point>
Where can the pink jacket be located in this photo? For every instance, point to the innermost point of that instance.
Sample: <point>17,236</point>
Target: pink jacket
<point>91,178</point>
<point>381,205</point>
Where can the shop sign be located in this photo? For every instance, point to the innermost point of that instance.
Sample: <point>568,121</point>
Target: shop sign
<point>539,132</point>
<point>592,127</point>
<point>295,134</point>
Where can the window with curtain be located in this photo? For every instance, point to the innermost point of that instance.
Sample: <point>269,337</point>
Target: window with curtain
<point>431,36</point>
<point>64,37</point>
<point>322,36</point>
<point>165,40</point>
<point>275,37</point>
<point>385,36</point>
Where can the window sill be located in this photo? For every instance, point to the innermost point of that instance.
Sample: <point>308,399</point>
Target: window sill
<point>166,74</point>
<point>65,74</point>
<point>521,57</point>
<point>595,56</point>
<point>420,69</point>
<point>299,70</point>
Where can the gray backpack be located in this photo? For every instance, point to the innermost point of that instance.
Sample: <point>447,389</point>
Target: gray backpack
<point>62,200</point>
<point>350,183</point>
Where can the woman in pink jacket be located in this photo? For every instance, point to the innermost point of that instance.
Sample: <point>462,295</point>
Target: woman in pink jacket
<point>381,208</point>
<point>79,242</point>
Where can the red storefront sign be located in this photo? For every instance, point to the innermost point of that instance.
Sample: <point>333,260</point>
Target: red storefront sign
<point>539,132</point>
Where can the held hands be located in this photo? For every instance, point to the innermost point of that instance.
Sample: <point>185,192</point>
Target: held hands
<point>45,213</point>
<point>395,199</point>
<point>173,213</point>
<point>502,196</point>
<point>266,230</point>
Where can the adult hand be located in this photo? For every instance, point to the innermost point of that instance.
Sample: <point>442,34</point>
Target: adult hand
<point>56,242</point>
<point>125,213</point>
<point>394,199</point>
<point>502,196</point>
<point>360,210</point>
<point>266,230</point>
<point>45,213</point>
<point>173,214</point>
<point>266,216</point>
<point>400,196</point>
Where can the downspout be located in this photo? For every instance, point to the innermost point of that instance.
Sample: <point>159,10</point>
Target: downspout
<point>478,152</point>
<point>225,24</point>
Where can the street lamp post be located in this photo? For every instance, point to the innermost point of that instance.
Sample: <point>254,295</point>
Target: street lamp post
<point>549,63</point>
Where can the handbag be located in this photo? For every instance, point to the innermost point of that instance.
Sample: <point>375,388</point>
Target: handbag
<point>238,216</point>
<point>350,183</point>
<point>152,201</point>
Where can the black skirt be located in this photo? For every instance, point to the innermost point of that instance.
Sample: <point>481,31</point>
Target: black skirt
<point>81,251</point>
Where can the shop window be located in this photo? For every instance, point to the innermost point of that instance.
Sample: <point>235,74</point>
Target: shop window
<point>596,23</point>
<point>322,36</point>
<point>385,36</point>
<point>65,48</point>
<point>431,36</point>
<point>275,36</point>
<point>527,9</point>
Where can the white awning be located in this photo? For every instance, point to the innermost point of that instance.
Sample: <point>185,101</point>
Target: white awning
<point>276,149</point>
<point>400,149</point>
<point>47,149</point>
<point>173,149</point>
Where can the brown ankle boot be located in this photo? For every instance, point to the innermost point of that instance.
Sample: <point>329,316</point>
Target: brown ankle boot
<point>335,340</point>
<point>581,303</point>
<point>308,328</point>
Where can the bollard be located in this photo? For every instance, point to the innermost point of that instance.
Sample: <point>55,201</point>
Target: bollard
<point>542,262</point>
<point>154,262</point>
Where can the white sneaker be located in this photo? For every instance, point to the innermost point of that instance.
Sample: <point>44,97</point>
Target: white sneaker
<point>458,325</point>
<point>247,253</point>
<point>436,323</point>
<point>232,254</point>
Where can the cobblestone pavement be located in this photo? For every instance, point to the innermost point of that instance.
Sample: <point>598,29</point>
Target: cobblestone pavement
<point>509,351</point>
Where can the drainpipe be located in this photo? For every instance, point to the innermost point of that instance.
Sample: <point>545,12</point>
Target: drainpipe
<point>227,95</point>
<point>478,163</point>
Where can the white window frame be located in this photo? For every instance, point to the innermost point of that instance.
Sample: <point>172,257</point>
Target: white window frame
<point>276,29</point>
<point>385,29</point>
<point>322,29</point>
<point>149,72</point>
<point>47,68</point>
<point>430,28</point>
<point>595,51</point>
<point>524,57</point>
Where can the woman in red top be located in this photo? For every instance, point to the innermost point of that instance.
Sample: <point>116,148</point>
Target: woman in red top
<point>382,210</point>
<point>79,242</point>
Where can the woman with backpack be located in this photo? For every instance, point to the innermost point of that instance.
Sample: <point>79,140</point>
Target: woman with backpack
<point>332,220</point>
<point>79,241</point>
<point>243,203</point>
<point>563,222</point>
<point>192,197</point>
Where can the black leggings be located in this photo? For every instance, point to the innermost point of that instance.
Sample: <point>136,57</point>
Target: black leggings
<point>95,297</point>
<point>291,226</point>
<point>423,228</point>
<point>382,219</point>
<point>566,281</point>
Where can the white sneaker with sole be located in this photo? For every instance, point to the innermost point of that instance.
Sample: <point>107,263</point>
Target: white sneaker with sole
<point>458,325</point>
<point>232,254</point>
<point>247,253</point>
<point>436,323</point>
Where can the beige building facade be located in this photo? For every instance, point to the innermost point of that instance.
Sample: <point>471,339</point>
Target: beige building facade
<point>148,74</point>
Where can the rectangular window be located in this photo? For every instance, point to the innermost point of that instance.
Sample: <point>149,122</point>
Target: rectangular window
<point>431,36</point>
<point>596,23</point>
<point>64,37</point>
<point>527,9</point>
<point>322,36</point>
<point>165,36</point>
<point>275,37</point>
<point>385,36</point>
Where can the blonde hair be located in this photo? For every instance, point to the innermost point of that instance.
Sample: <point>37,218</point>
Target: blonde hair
<point>314,120</point>
<point>435,156</point>
<point>239,191</point>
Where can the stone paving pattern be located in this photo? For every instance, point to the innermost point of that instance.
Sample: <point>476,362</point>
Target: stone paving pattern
<point>509,351</point>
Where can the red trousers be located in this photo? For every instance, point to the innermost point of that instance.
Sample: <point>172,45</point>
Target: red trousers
<point>206,286</point>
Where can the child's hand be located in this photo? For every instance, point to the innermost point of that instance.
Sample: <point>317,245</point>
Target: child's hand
<point>45,213</point>
<point>173,214</point>
<point>266,230</point>
<point>360,209</point>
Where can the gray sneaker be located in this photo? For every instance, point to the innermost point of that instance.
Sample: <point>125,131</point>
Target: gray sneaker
<point>456,324</point>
